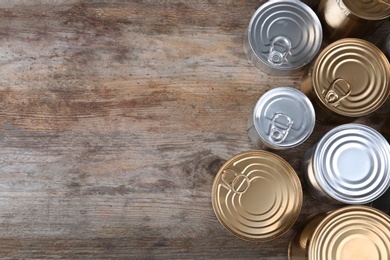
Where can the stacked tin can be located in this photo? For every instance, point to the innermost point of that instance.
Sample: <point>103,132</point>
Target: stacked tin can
<point>350,164</point>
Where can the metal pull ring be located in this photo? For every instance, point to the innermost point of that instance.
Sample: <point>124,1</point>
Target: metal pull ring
<point>338,90</point>
<point>280,47</point>
<point>280,127</point>
<point>237,182</point>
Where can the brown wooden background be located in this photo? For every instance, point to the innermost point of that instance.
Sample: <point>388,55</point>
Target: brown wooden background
<point>115,117</point>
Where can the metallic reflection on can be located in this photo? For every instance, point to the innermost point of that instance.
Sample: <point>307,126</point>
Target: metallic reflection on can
<point>257,196</point>
<point>349,79</point>
<point>283,36</point>
<point>350,164</point>
<point>298,246</point>
<point>282,118</point>
<point>349,233</point>
<point>351,18</point>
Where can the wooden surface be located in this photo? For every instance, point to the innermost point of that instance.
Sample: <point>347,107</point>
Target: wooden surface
<point>115,117</point>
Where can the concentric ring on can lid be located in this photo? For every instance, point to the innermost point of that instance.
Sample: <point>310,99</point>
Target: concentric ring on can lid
<point>352,164</point>
<point>257,196</point>
<point>284,117</point>
<point>368,9</point>
<point>284,34</point>
<point>351,233</point>
<point>351,77</point>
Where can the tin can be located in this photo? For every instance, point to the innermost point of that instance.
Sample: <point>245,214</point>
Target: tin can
<point>349,79</point>
<point>350,233</point>
<point>282,118</point>
<point>257,196</point>
<point>350,164</point>
<point>351,18</point>
<point>283,36</point>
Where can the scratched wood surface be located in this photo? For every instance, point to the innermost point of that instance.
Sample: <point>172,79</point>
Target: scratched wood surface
<point>115,117</point>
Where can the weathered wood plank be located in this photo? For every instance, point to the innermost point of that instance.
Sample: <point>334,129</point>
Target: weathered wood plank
<point>115,117</point>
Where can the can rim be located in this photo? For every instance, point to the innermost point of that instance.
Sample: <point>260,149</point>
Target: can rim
<point>296,182</point>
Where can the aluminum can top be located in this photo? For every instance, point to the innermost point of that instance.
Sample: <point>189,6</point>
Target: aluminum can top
<point>352,164</point>
<point>351,77</point>
<point>257,196</point>
<point>284,117</point>
<point>284,34</point>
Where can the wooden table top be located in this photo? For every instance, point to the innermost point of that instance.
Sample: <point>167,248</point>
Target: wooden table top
<point>115,117</point>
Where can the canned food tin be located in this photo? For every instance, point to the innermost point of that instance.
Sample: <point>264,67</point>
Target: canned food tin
<point>349,79</point>
<point>282,118</point>
<point>257,196</point>
<point>349,233</point>
<point>283,36</point>
<point>351,18</point>
<point>350,164</point>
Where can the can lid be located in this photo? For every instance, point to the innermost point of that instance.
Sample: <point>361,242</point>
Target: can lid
<point>352,164</point>
<point>351,77</point>
<point>350,233</point>
<point>285,34</point>
<point>368,9</point>
<point>257,196</point>
<point>284,117</point>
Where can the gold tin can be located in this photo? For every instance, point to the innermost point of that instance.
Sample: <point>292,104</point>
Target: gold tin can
<point>349,79</point>
<point>350,233</point>
<point>351,18</point>
<point>257,196</point>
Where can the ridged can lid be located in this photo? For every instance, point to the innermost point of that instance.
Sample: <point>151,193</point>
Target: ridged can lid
<point>351,233</point>
<point>367,9</point>
<point>284,117</point>
<point>351,77</point>
<point>257,196</point>
<point>284,34</point>
<point>352,164</point>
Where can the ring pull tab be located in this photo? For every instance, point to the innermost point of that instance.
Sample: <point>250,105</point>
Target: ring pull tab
<point>237,182</point>
<point>280,47</point>
<point>280,127</point>
<point>338,90</point>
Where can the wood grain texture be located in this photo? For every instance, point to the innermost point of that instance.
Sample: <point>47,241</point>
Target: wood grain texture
<point>115,117</point>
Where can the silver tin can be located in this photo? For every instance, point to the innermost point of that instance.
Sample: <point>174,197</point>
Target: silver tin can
<point>282,118</point>
<point>350,164</point>
<point>283,36</point>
